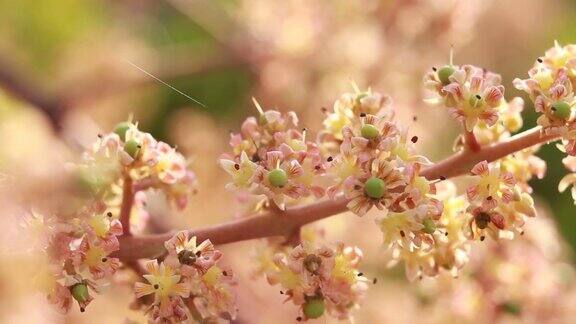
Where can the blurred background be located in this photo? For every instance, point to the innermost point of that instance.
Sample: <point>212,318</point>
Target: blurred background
<point>66,74</point>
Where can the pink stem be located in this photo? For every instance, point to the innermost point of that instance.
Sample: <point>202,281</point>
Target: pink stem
<point>274,223</point>
<point>127,202</point>
<point>471,142</point>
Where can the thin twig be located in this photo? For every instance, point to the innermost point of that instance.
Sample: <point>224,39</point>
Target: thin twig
<point>273,223</point>
<point>471,142</point>
<point>127,203</point>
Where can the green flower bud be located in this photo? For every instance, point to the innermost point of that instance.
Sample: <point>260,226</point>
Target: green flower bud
<point>80,292</point>
<point>278,178</point>
<point>369,131</point>
<point>132,148</point>
<point>511,308</point>
<point>314,307</point>
<point>121,129</point>
<point>429,225</point>
<point>375,188</point>
<point>561,110</point>
<point>444,74</point>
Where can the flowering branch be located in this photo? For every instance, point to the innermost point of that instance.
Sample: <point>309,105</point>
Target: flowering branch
<point>361,159</point>
<point>283,223</point>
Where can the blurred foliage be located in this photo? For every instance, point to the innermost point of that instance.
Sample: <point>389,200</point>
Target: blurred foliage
<point>45,28</point>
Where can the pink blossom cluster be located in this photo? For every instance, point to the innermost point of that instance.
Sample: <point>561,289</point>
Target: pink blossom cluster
<point>188,284</point>
<point>317,277</point>
<point>525,280</point>
<point>77,255</point>
<point>129,152</point>
<point>79,240</point>
<point>362,154</point>
<point>551,87</point>
<point>272,158</point>
<point>471,94</point>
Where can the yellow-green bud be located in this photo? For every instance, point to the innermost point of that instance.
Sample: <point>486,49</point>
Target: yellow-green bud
<point>375,188</point>
<point>121,129</point>
<point>80,292</point>
<point>429,225</point>
<point>277,178</point>
<point>369,131</point>
<point>314,307</point>
<point>132,148</point>
<point>511,308</point>
<point>444,74</point>
<point>561,110</point>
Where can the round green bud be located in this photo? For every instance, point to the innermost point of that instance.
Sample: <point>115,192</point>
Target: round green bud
<point>369,131</point>
<point>314,307</point>
<point>132,148</point>
<point>121,129</point>
<point>445,73</point>
<point>278,178</point>
<point>80,292</point>
<point>429,226</point>
<point>375,188</point>
<point>511,308</point>
<point>561,110</point>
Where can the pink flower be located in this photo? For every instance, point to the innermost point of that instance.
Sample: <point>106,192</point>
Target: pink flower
<point>379,187</point>
<point>279,179</point>
<point>166,286</point>
<point>95,256</point>
<point>185,253</point>
<point>490,186</point>
<point>483,221</point>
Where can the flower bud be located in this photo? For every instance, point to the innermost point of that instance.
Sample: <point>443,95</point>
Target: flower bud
<point>121,129</point>
<point>375,188</point>
<point>132,148</point>
<point>561,110</point>
<point>444,74</point>
<point>277,178</point>
<point>369,131</point>
<point>429,226</point>
<point>80,293</point>
<point>314,307</point>
<point>511,308</point>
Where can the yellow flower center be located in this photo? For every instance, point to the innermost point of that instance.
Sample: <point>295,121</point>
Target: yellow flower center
<point>544,79</point>
<point>212,276</point>
<point>100,224</point>
<point>343,270</point>
<point>162,165</point>
<point>94,256</point>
